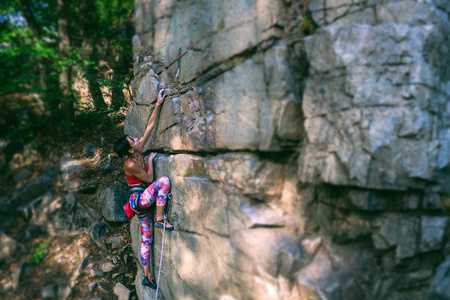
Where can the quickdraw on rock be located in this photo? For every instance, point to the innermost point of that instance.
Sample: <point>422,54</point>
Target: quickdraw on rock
<point>178,60</point>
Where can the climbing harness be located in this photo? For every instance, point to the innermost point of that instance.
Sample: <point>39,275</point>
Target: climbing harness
<point>169,196</point>
<point>179,56</point>
<point>138,190</point>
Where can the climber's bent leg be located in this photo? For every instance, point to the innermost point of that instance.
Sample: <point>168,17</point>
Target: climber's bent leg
<point>157,191</point>
<point>163,191</point>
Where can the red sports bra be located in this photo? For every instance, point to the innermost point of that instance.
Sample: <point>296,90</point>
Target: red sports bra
<point>133,180</point>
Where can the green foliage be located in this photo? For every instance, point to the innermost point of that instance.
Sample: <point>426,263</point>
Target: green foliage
<point>31,63</point>
<point>23,62</point>
<point>39,252</point>
<point>112,12</point>
<point>103,116</point>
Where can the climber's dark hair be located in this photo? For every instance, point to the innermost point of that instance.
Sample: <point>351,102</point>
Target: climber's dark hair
<point>122,146</point>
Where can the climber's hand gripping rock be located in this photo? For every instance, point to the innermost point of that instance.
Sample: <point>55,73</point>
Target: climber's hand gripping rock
<point>161,97</point>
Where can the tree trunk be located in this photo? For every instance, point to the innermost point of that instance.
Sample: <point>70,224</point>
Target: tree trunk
<point>27,12</point>
<point>31,20</point>
<point>94,87</point>
<point>66,104</point>
<point>118,98</point>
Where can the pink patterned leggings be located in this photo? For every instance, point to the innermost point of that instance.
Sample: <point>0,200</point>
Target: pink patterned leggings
<point>157,191</point>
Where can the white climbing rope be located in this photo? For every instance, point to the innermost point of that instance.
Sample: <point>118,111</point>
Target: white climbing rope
<point>160,261</point>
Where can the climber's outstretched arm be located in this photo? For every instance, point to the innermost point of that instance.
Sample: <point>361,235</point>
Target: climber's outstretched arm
<point>152,119</point>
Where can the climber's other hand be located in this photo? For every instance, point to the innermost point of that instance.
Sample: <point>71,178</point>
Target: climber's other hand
<point>151,157</point>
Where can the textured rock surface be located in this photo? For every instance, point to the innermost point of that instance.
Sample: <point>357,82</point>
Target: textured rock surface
<point>439,288</point>
<point>375,107</point>
<point>8,246</point>
<point>64,216</point>
<point>307,142</point>
<point>112,201</point>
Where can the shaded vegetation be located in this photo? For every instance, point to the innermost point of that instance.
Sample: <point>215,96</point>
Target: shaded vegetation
<point>40,43</point>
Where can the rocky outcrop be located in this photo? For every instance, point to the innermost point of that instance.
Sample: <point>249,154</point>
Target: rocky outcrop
<point>375,105</point>
<point>112,201</point>
<point>307,143</point>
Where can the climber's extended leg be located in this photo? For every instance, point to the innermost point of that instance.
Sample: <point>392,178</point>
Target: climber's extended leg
<point>147,239</point>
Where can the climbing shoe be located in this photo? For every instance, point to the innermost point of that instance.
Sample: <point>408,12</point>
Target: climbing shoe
<point>147,282</point>
<point>160,224</point>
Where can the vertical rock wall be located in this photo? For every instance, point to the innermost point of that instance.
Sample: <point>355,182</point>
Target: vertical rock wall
<point>307,143</point>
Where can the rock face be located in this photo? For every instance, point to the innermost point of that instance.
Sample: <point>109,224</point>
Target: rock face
<point>64,216</point>
<point>112,201</point>
<point>315,141</point>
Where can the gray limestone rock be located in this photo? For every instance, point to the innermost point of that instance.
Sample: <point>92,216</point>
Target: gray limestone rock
<point>356,92</point>
<point>96,232</point>
<point>318,278</point>
<point>65,216</point>
<point>64,292</point>
<point>96,273</point>
<point>107,267</point>
<point>147,90</point>
<point>246,172</point>
<point>401,232</point>
<point>30,210</point>
<point>115,259</point>
<point>69,165</point>
<point>106,164</point>
<point>92,286</point>
<point>18,274</point>
<point>82,265</point>
<point>115,241</point>
<point>31,190</point>
<point>84,187</point>
<point>278,252</point>
<point>121,291</point>
<point>49,291</point>
<point>371,117</point>
<point>22,174</point>
<point>98,229</point>
<point>7,246</point>
<point>89,150</point>
<point>432,201</point>
<point>432,232</point>
<point>83,251</point>
<point>112,201</point>
<point>439,287</point>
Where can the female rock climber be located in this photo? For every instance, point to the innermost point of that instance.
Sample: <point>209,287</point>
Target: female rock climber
<point>138,174</point>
